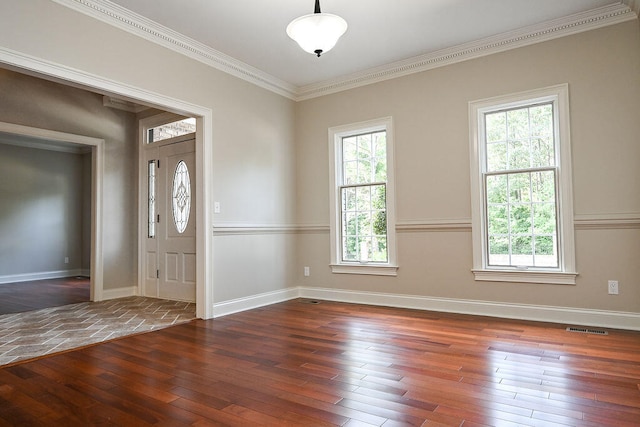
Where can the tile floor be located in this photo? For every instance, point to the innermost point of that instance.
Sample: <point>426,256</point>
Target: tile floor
<point>51,330</point>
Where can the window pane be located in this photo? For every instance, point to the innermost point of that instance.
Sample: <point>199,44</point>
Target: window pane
<point>171,130</point>
<point>350,171</point>
<point>349,250</point>
<point>546,251</point>
<point>181,197</point>
<point>364,228</point>
<point>519,154</point>
<point>380,144</point>
<point>364,224</point>
<point>349,199</point>
<point>379,249</point>
<point>151,203</point>
<point>543,186</point>
<point>364,146</point>
<point>542,152</point>
<point>541,120</point>
<point>497,156</point>
<point>363,198</point>
<point>499,250</point>
<point>518,124</point>
<point>349,149</point>
<point>520,139</point>
<point>497,189</point>
<point>520,219</point>
<point>544,218</point>
<point>521,251</point>
<point>519,187</point>
<point>364,172</point>
<point>497,219</point>
<point>496,126</point>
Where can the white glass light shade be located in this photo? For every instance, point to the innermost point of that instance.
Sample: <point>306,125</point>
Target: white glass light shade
<point>318,32</point>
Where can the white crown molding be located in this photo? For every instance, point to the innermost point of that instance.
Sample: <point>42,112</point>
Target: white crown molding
<point>126,20</point>
<point>633,5</point>
<point>526,36</point>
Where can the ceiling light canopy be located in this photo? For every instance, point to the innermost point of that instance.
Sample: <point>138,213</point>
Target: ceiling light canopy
<point>318,32</point>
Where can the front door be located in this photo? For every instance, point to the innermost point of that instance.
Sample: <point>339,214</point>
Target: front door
<point>171,243</point>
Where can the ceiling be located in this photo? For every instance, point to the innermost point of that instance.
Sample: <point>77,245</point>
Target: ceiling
<point>380,32</point>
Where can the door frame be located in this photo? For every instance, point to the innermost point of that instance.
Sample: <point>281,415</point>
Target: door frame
<point>60,73</point>
<point>97,176</point>
<point>143,127</point>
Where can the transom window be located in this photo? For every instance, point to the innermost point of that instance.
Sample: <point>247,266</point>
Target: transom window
<point>522,213</point>
<point>171,130</point>
<point>362,229</point>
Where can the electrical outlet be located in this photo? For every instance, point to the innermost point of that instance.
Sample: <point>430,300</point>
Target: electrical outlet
<point>66,260</point>
<point>613,287</point>
<point>216,207</point>
<point>307,272</point>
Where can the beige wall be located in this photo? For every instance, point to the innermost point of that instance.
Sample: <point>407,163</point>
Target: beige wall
<point>270,159</point>
<point>253,139</point>
<point>430,113</point>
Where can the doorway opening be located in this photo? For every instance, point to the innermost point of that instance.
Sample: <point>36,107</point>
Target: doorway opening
<point>94,149</point>
<point>167,200</point>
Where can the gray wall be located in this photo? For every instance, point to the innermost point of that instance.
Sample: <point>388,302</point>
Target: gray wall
<point>41,214</point>
<point>43,104</point>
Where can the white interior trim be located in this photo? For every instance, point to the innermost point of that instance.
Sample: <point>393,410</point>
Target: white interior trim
<point>42,275</point>
<point>565,273</point>
<point>133,23</point>
<point>204,156</point>
<point>129,291</point>
<point>607,221</point>
<point>126,20</point>
<point>254,301</point>
<point>540,313</point>
<point>97,177</point>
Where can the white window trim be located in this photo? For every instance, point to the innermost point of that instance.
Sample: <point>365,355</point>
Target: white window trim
<point>335,139</point>
<point>566,273</point>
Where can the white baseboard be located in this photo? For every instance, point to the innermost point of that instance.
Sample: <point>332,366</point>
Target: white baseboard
<point>564,315</point>
<point>129,291</point>
<point>254,301</point>
<point>43,275</point>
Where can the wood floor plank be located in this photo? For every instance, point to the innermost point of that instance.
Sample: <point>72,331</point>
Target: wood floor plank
<point>340,364</point>
<point>38,294</point>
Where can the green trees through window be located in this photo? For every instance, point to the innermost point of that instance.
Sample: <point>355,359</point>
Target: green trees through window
<point>520,187</point>
<point>363,197</point>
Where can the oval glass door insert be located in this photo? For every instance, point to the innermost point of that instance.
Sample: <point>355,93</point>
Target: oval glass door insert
<point>181,196</point>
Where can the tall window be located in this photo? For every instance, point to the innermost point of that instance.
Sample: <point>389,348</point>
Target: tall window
<point>521,195</point>
<point>362,229</point>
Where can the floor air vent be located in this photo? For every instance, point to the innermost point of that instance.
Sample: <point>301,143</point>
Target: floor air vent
<point>310,301</point>
<point>587,331</point>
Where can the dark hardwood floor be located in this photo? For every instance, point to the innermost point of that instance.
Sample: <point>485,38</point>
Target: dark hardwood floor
<point>38,294</point>
<point>303,364</point>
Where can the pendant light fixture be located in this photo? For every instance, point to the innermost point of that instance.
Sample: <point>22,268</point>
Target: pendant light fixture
<point>318,32</point>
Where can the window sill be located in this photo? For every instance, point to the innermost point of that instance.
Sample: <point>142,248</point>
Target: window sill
<point>375,270</point>
<point>525,276</point>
